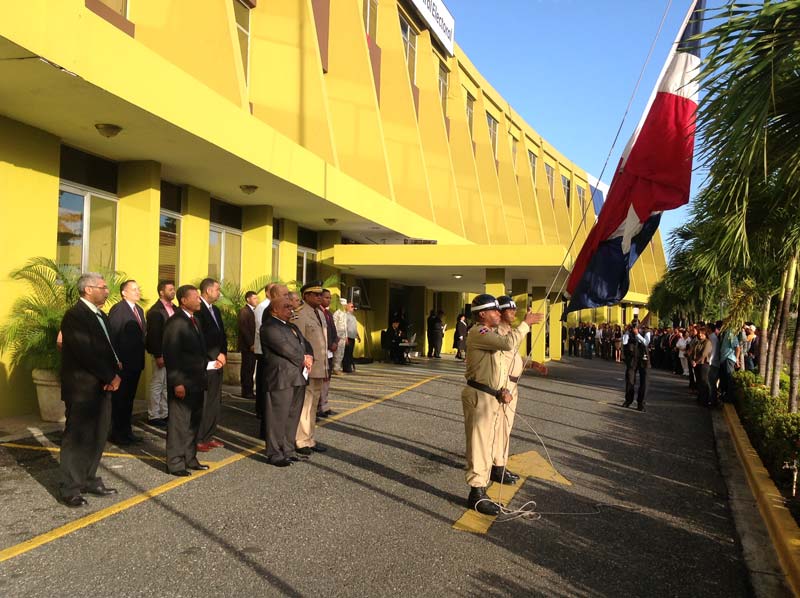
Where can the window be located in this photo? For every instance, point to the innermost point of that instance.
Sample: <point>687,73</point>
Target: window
<point>470,112</point>
<point>532,160</point>
<point>242,13</point>
<point>224,254</point>
<point>409,47</point>
<point>514,151</point>
<point>371,19</point>
<point>306,264</point>
<point>169,244</point>
<point>87,229</point>
<point>490,120</point>
<point>444,76</point>
<point>118,6</point>
<point>581,198</point>
<point>276,258</point>
<point>566,184</point>
<point>550,172</point>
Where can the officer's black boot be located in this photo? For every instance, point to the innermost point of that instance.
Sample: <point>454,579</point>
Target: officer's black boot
<point>479,501</point>
<point>503,477</point>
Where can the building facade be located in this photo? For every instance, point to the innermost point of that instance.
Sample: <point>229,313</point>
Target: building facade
<point>172,139</point>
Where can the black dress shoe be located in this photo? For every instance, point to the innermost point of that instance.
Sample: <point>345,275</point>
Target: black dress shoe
<point>75,501</point>
<point>303,450</point>
<point>479,501</point>
<point>158,422</point>
<point>294,459</point>
<point>281,463</point>
<point>328,413</point>
<point>133,439</point>
<point>503,477</point>
<point>627,404</point>
<point>119,441</point>
<point>101,491</point>
<point>640,407</point>
<point>198,467</point>
<point>318,448</point>
<point>181,473</point>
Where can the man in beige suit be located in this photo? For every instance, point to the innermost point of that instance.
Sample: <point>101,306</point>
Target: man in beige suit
<point>312,324</point>
<point>486,393</point>
<point>514,365</point>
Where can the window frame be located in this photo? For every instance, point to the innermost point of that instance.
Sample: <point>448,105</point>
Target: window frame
<point>86,191</point>
<point>470,108</point>
<point>566,185</point>
<point>179,219</point>
<point>247,33</point>
<point>493,124</point>
<point>443,96</point>
<point>221,228</point>
<point>532,162</point>
<point>412,33</point>
<point>306,251</point>
<point>550,173</point>
<point>370,7</point>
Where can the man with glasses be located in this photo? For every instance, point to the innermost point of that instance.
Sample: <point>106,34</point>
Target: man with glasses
<point>213,329</point>
<point>89,374</point>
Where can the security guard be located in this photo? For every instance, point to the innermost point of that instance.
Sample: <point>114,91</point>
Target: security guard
<point>514,365</point>
<point>481,399</point>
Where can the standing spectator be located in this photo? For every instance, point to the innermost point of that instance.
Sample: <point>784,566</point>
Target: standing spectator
<point>157,316</point>
<point>294,299</point>
<point>128,337</point>
<point>340,321</point>
<point>435,334</point>
<point>460,336</point>
<point>89,374</point>
<point>246,343</point>
<point>701,360</point>
<point>348,365</point>
<point>713,370</point>
<point>333,344</point>
<point>186,359</point>
<point>681,345</point>
<point>311,322</point>
<point>729,351</point>
<point>571,332</point>
<point>213,329</point>
<point>288,355</point>
<point>753,347</point>
<point>636,349</point>
<point>617,340</point>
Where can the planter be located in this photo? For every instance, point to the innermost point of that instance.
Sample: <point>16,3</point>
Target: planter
<point>231,373</point>
<point>48,392</point>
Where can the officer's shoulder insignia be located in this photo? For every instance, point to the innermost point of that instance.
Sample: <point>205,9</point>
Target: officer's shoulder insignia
<point>484,330</point>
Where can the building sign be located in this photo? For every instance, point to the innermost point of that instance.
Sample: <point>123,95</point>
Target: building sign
<point>440,21</point>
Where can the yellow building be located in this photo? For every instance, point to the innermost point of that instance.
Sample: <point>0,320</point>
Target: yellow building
<point>300,138</point>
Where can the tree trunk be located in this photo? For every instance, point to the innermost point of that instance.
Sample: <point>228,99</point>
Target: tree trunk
<point>773,333</point>
<point>794,370</point>
<point>763,350</point>
<point>777,363</point>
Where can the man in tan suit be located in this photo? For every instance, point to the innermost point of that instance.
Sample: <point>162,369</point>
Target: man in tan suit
<point>313,326</point>
<point>486,393</point>
<point>514,365</point>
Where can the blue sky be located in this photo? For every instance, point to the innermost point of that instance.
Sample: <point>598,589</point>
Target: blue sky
<point>569,67</point>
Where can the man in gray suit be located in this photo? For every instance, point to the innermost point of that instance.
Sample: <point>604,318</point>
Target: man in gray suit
<point>287,361</point>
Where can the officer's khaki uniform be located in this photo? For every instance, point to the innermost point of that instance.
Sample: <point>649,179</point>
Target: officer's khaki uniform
<point>312,324</point>
<point>505,420</point>
<point>485,364</point>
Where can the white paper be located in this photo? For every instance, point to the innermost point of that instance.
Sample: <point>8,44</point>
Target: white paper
<point>330,354</point>
<point>305,373</point>
<point>212,365</point>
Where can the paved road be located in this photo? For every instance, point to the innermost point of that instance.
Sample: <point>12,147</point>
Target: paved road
<point>374,516</point>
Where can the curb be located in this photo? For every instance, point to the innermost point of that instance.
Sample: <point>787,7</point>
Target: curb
<point>783,529</point>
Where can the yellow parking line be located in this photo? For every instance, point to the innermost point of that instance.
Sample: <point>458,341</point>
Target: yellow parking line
<point>88,520</point>
<point>57,449</point>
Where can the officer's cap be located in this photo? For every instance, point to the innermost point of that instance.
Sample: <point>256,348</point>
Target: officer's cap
<point>484,302</point>
<point>315,286</point>
<point>505,302</point>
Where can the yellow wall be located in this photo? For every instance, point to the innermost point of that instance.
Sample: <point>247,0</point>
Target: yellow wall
<point>256,243</point>
<point>287,253</point>
<point>29,161</point>
<point>194,236</point>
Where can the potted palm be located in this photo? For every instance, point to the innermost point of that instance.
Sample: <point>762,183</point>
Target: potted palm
<point>30,332</point>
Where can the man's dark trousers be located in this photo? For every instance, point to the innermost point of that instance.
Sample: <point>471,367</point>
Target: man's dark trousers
<point>211,407</point>
<point>630,381</point>
<point>182,429</point>
<point>122,405</point>
<point>88,420</point>
<point>246,372</point>
<point>282,418</point>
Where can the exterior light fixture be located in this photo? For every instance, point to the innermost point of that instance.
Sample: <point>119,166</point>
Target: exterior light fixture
<point>108,130</point>
<point>330,221</point>
<point>457,276</point>
<point>248,189</point>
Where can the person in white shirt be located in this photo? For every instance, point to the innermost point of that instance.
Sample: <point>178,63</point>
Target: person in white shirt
<point>683,342</point>
<point>340,321</point>
<point>348,365</point>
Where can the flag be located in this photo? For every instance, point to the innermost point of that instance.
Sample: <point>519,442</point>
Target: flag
<point>654,174</point>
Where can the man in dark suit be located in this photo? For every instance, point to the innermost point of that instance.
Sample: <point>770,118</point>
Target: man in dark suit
<point>186,360</point>
<point>157,316</point>
<point>333,345</point>
<point>213,329</point>
<point>89,374</point>
<point>246,343</point>
<point>636,353</point>
<point>286,355</point>
<point>128,338</point>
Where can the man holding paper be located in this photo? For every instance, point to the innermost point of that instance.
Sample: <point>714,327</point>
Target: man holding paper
<point>186,362</point>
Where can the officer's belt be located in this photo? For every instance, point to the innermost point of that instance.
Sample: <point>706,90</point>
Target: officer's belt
<point>482,387</point>
<point>514,379</point>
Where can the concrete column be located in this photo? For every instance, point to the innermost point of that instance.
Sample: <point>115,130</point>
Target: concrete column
<point>519,293</point>
<point>194,236</point>
<point>556,311</point>
<point>287,252</point>
<point>329,275</point>
<point>29,164</point>
<point>451,304</point>
<point>138,212</point>
<point>256,246</point>
<point>373,321</point>
<point>538,305</point>
<point>495,281</point>
<point>616,314</point>
<point>422,331</point>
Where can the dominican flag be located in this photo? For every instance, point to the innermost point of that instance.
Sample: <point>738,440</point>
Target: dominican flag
<point>654,175</point>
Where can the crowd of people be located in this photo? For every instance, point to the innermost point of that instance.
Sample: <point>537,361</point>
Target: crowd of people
<point>588,340</point>
<point>291,345</point>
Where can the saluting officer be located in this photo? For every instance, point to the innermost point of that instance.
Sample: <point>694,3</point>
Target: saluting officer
<point>514,365</point>
<point>487,376</point>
